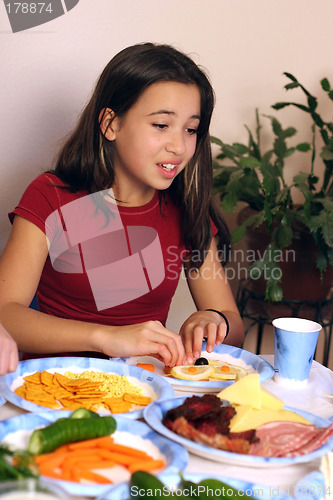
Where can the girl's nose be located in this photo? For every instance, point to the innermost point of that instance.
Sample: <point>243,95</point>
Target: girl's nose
<point>176,143</point>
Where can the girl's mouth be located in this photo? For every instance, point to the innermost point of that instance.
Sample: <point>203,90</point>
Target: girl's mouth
<point>168,170</point>
<point>168,166</point>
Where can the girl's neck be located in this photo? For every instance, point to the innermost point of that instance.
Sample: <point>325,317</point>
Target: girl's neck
<point>132,198</point>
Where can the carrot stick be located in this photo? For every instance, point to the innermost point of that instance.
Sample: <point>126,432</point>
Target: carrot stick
<point>90,476</point>
<point>96,464</point>
<point>118,457</point>
<point>89,443</point>
<point>146,465</point>
<point>127,450</point>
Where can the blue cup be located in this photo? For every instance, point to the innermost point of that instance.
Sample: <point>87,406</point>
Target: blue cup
<point>295,341</point>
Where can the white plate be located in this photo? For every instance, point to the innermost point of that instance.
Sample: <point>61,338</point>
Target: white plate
<point>153,385</point>
<point>155,412</point>
<point>122,491</point>
<point>310,487</point>
<point>223,353</point>
<point>175,455</point>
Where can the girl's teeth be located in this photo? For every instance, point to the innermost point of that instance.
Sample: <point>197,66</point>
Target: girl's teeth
<point>168,166</point>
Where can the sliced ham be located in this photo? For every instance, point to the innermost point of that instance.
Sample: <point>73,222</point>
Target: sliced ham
<point>289,439</point>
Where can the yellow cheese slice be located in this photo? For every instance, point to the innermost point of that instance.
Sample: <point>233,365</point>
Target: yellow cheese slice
<point>255,418</point>
<point>268,400</point>
<point>245,391</point>
<point>242,414</point>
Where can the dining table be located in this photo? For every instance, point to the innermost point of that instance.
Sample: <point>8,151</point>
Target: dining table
<point>313,397</point>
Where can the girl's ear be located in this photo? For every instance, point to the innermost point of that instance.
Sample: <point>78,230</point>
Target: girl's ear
<point>106,123</point>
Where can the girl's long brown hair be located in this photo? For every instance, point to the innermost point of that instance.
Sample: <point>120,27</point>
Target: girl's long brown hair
<point>86,159</point>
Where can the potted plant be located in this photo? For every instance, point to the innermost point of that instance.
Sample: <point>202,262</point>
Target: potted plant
<point>246,173</point>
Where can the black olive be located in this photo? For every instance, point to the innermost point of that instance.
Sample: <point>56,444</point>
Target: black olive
<point>201,361</point>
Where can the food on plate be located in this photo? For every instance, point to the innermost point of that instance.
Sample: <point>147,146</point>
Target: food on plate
<point>90,389</point>
<point>211,370</point>
<point>87,460</point>
<point>146,484</point>
<point>289,439</point>
<point>80,448</point>
<point>16,464</point>
<point>191,372</point>
<point>201,361</point>
<point>69,430</point>
<point>146,366</point>
<point>255,406</point>
<point>208,420</point>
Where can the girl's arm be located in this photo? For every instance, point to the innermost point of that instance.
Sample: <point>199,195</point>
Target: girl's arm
<point>8,352</point>
<point>210,290</point>
<point>21,267</point>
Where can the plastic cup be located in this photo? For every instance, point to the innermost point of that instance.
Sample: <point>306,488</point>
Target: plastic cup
<point>295,341</point>
<point>31,489</point>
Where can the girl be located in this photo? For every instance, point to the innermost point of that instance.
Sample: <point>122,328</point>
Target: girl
<point>8,352</point>
<point>128,204</point>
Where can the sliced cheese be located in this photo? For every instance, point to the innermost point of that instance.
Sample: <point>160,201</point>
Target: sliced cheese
<point>242,413</point>
<point>245,391</point>
<point>268,400</point>
<point>255,418</point>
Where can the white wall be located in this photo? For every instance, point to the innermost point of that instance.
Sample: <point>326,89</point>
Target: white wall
<point>246,45</point>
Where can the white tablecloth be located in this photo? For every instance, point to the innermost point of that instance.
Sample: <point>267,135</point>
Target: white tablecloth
<point>310,398</point>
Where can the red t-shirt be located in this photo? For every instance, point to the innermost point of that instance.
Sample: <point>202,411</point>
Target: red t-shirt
<point>124,272</point>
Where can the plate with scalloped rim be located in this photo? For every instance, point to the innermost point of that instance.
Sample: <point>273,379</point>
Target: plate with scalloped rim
<point>155,412</point>
<point>16,432</point>
<point>152,384</point>
<point>224,353</point>
<point>310,487</point>
<point>245,488</point>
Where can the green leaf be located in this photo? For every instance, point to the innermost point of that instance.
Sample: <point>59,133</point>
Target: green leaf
<point>289,132</point>
<point>303,146</point>
<point>249,162</point>
<point>240,149</point>
<point>284,235</point>
<point>215,140</point>
<point>326,153</point>
<point>238,234</point>
<point>291,85</point>
<point>325,84</point>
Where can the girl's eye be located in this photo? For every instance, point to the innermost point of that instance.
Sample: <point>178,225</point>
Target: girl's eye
<point>160,126</point>
<point>192,131</point>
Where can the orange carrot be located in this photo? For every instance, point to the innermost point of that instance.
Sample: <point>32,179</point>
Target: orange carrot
<point>96,464</point>
<point>148,465</point>
<point>90,476</point>
<point>119,458</point>
<point>146,366</point>
<point>89,443</point>
<point>127,450</point>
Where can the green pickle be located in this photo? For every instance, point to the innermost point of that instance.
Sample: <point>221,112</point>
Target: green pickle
<point>220,489</point>
<point>69,430</point>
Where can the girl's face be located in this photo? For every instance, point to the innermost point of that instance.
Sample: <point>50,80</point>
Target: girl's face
<point>155,140</point>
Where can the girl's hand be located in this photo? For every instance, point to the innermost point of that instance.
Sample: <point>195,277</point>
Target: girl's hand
<point>8,352</point>
<point>199,325</point>
<point>150,338</point>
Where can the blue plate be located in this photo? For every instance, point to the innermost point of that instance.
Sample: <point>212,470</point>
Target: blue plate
<point>2,401</point>
<point>240,357</point>
<point>155,412</point>
<point>172,481</point>
<point>157,384</point>
<point>310,487</point>
<point>176,456</point>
